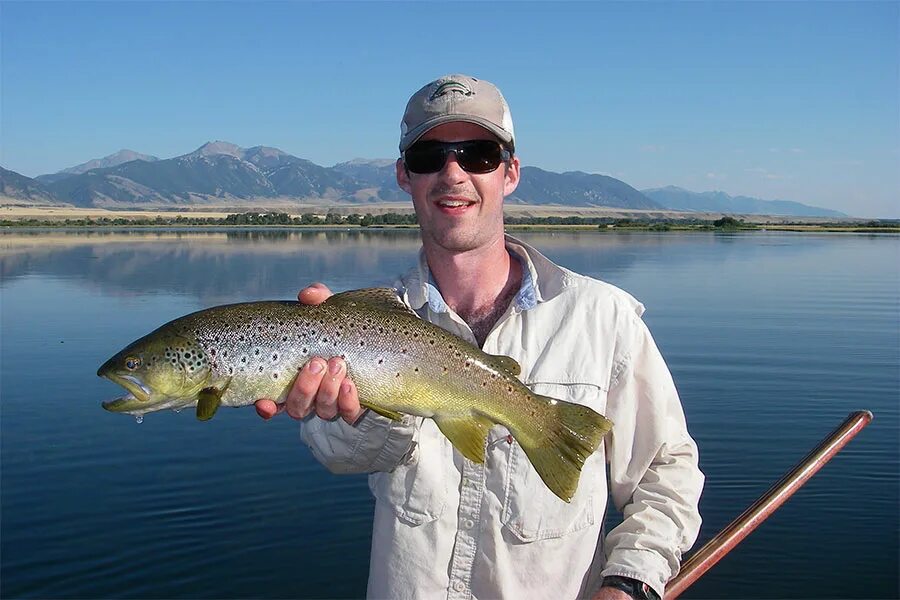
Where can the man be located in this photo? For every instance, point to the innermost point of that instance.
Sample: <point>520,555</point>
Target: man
<point>445,527</point>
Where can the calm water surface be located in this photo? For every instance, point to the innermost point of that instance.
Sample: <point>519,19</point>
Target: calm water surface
<point>773,338</point>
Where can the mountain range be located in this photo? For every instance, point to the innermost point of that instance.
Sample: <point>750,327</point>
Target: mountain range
<point>223,174</point>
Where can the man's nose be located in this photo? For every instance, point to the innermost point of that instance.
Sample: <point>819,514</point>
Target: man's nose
<point>452,169</point>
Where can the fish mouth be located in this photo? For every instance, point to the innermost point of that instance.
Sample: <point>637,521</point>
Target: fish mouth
<point>137,391</point>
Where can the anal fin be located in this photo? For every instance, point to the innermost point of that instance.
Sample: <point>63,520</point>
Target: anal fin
<point>467,433</point>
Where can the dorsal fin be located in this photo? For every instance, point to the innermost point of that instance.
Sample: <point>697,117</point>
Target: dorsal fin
<point>506,363</point>
<point>378,298</point>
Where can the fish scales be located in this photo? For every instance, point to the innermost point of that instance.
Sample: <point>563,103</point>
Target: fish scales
<point>235,354</point>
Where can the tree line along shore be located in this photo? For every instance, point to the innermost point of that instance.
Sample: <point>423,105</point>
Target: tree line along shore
<point>392,219</point>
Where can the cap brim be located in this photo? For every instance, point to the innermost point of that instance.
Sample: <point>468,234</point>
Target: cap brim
<point>413,136</point>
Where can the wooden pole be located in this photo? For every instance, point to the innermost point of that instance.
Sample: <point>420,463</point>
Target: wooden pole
<point>715,549</point>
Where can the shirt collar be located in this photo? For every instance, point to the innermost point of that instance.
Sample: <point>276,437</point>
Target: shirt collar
<point>541,280</point>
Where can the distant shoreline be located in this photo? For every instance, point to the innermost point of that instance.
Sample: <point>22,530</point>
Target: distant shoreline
<point>16,216</point>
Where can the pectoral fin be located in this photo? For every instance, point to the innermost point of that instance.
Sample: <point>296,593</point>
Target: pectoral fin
<point>468,434</point>
<point>208,401</point>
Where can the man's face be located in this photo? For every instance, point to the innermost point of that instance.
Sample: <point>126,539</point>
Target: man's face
<point>459,211</point>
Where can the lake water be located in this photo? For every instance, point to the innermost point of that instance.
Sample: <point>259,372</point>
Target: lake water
<point>773,338</point>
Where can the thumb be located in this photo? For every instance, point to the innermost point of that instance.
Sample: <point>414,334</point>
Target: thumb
<point>315,293</point>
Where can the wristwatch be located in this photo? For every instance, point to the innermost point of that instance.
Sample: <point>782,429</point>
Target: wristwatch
<point>633,587</point>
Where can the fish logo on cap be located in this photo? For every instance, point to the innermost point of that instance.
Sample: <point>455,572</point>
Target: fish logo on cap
<point>449,87</point>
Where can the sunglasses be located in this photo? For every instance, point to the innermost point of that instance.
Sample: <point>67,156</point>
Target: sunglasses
<point>474,156</point>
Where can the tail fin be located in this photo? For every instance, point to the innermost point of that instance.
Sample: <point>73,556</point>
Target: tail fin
<point>558,447</point>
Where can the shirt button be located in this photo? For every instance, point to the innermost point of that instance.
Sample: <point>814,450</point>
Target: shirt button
<point>459,586</point>
<point>468,524</point>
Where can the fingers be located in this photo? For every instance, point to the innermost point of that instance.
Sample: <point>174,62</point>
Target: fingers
<point>267,408</point>
<point>315,293</point>
<point>326,398</point>
<point>322,387</point>
<point>348,402</point>
<point>306,386</point>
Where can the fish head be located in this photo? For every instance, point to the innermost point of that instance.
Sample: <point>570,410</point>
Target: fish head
<point>161,370</point>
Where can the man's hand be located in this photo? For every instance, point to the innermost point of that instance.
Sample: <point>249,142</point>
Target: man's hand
<point>321,385</point>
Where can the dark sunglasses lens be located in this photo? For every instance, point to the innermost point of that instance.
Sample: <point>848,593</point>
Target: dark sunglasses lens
<point>425,158</point>
<point>479,156</point>
<point>475,156</point>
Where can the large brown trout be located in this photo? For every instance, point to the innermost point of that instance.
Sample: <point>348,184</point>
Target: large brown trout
<point>234,354</point>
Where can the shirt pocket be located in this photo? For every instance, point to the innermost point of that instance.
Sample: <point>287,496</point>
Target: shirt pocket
<point>530,510</point>
<point>416,491</point>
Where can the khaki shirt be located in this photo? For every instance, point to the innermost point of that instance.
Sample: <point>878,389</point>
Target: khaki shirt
<point>445,527</point>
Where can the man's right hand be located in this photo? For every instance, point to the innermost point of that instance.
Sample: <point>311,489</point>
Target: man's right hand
<point>321,386</point>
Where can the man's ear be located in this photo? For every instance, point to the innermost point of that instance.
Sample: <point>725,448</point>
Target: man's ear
<point>403,177</point>
<point>511,179</point>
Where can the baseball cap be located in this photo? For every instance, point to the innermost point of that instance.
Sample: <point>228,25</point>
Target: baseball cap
<point>456,98</point>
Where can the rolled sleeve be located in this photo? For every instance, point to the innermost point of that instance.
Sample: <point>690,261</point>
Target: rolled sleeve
<point>655,480</point>
<point>375,443</point>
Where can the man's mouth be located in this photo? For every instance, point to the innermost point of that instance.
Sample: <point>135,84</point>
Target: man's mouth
<point>453,205</point>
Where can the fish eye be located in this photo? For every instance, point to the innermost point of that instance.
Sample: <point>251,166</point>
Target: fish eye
<point>132,363</point>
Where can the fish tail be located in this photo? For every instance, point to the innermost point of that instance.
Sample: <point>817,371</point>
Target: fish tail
<point>558,446</point>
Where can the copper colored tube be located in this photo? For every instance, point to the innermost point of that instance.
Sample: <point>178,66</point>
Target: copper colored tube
<point>713,551</point>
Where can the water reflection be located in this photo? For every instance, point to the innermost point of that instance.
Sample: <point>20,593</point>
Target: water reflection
<point>217,264</point>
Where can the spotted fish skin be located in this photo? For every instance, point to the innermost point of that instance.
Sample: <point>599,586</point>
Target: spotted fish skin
<point>233,355</point>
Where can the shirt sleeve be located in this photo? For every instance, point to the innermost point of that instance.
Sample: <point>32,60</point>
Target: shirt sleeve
<point>375,443</point>
<point>655,480</point>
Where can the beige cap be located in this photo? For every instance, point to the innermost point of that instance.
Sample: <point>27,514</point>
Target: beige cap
<point>456,98</point>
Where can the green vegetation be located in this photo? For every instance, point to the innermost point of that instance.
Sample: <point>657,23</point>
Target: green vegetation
<point>281,219</point>
<point>248,219</point>
<point>728,223</point>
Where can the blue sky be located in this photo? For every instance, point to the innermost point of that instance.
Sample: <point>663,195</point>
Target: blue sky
<point>779,100</point>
